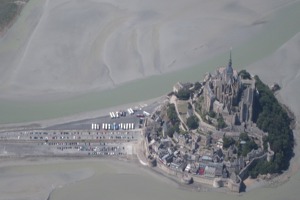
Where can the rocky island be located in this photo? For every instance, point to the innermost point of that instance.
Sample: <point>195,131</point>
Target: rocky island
<point>220,131</point>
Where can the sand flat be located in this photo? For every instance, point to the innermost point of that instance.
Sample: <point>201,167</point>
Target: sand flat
<point>130,40</point>
<point>76,46</point>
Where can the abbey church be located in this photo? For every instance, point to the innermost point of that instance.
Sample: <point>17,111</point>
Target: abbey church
<point>228,94</point>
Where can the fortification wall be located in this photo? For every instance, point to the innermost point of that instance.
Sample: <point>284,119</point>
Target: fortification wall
<point>243,174</point>
<point>203,180</point>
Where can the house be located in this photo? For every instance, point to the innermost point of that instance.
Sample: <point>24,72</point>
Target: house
<point>194,146</point>
<point>178,165</point>
<point>219,170</point>
<point>166,142</point>
<point>210,172</point>
<point>207,141</point>
<point>182,140</point>
<point>165,130</point>
<point>206,159</point>
<point>176,137</point>
<point>156,146</point>
<point>196,138</point>
<point>220,143</point>
<point>194,169</point>
<point>168,158</point>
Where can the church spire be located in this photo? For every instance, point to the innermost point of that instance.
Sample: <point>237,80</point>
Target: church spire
<point>229,71</point>
<point>230,61</point>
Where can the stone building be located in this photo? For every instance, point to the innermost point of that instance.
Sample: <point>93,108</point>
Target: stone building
<point>226,93</point>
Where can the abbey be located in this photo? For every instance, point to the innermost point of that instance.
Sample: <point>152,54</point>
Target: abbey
<point>229,94</point>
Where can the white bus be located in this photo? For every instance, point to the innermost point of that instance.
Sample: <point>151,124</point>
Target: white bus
<point>132,112</point>
<point>146,113</point>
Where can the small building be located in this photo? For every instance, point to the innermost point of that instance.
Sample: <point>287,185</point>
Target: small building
<point>166,142</point>
<point>178,166</point>
<point>206,159</point>
<point>207,141</point>
<point>220,143</point>
<point>168,158</point>
<point>210,172</point>
<point>176,137</point>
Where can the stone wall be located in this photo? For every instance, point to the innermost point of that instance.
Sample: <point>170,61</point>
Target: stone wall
<point>243,174</point>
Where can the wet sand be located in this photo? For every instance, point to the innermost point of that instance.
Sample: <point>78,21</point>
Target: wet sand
<point>63,47</point>
<point>153,37</point>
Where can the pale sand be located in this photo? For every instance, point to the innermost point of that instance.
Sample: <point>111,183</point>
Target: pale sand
<point>283,67</point>
<point>70,46</point>
<point>148,35</point>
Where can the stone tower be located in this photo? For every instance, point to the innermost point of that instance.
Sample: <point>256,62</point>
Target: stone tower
<point>228,72</point>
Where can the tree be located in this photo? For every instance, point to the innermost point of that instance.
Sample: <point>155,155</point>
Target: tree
<point>244,149</point>
<point>221,122</point>
<point>272,118</point>
<point>227,142</point>
<point>244,137</point>
<point>170,131</point>
<point>172,115</point>
<point>183,94</point>
<point>197,86</point>
<point>192,122</point>
<point>244,74</point>
<point>212,114</point>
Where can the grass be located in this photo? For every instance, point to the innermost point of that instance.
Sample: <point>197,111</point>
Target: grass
<point>182,107</point>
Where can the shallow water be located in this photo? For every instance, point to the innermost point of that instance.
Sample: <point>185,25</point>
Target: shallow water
<point>281,27</point>
<point>117,180</point>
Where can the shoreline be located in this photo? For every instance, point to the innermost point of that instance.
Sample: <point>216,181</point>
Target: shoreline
<point>77,117</point>
<point>137,161</point>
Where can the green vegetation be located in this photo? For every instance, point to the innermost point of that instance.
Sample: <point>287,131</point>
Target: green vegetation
<point>244,74</point>
<point>244,137</point>
<point>197,86</point>
<point>272,118</point>
<point>192,122</point>
<point>183,94</point>
<point>262,167</point>
<point>221,123</point>
<point>227,142</point>
<point>190,106</point>
<point>8,11</point>
<point>244,149</point>
<point>171,131</point>
<point>198,104</point>
<point>172,115</point>
<point>212,114</point>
